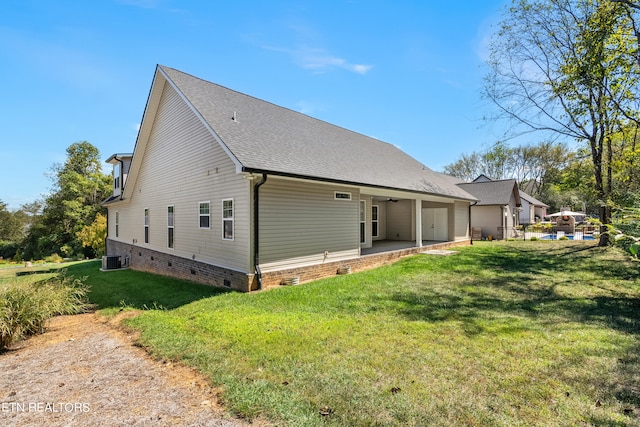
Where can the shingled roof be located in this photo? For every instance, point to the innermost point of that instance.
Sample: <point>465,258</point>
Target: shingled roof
<point>529,198</point>
<point>266,138</point>
<point>497,192</point>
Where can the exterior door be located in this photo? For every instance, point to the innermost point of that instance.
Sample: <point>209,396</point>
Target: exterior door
<point>435,224</point>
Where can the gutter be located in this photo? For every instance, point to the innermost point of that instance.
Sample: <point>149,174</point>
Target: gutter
<point>351,183</point>
<point>256,228</point>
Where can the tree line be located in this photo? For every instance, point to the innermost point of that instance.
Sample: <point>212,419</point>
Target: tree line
<point>69,221</point>
<point>569,69</point>
<point>556,174</point>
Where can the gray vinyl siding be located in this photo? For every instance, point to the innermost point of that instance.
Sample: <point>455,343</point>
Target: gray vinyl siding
<point>461,231</point>
<point>489,218</point>
<point>400,220</point>
<point>301,219</point>
<point>184,165</point>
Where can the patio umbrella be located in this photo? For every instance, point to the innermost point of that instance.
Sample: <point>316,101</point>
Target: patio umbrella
<point>567,213</point>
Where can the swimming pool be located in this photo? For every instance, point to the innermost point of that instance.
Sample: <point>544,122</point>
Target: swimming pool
<point>568,236</point>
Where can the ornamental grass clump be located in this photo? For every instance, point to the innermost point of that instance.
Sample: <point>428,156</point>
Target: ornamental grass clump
<point>26,306</point>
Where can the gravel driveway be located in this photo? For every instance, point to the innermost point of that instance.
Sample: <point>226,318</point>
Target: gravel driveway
<point>83,372</point>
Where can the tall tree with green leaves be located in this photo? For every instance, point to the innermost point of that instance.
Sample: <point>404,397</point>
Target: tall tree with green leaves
<point>11,224</point>
<point>568,68</point>
<point>79,187</point>
<point>94,235</point>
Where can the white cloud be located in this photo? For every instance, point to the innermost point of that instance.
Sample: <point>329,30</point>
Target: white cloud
<point>485,33</point>
<point>309,108</point>
<point>320,60</point>
<point>362,69</point>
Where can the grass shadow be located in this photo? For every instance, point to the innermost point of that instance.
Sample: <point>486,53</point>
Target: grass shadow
<point>527,282</point>
<point>139,290</point>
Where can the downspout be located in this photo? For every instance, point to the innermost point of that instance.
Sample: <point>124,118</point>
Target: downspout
<point>256,228</point>
<point>470,228</point>
<point>121,176</point>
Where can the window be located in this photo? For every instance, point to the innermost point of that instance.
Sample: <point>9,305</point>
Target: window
<point>374,220</point>
<point>363,220</point>
<point>227,219</point>
<point>116,176</point>
<point>170,218</point>
<point>338,195</point>
<point>117,223</point>
<point>146,225</point>
<point>205,215</point>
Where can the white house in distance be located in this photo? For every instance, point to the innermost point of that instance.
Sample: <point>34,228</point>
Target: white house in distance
<point>533,210</point>
<point>496,212</point>
<point>230,190</point>
<point>501,207</point>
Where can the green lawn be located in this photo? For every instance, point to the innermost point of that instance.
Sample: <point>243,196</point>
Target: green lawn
<point>9,271</point>
<point>500,334</point>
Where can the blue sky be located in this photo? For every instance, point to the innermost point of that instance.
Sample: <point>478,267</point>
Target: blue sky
<point>406,72</point>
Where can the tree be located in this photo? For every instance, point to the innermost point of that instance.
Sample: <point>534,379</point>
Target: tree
<point>496,163</point>
<point>11,224</point>
<point>567,68</point>
<point>532,166</point>
<point>540,166</point>
<point>78,188</point>
<point>467,168</point>
<point>93,236</point>
<point>626,167</point>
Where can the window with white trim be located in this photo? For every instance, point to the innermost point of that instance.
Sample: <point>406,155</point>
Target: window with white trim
<point>374,221</point>
<point>341,195</point>
<point>363,221</point>
<point>204,215</point>
<point>146,225</point>
<point>170,226</point>
<point>117,224</point>
<point>227,219</point>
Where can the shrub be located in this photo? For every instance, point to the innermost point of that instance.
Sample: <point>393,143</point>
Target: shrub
<point>8,249</point>
<point>533,238</point>
<point>25,306</point>
<point>55,258</point>
<point>563,238</point>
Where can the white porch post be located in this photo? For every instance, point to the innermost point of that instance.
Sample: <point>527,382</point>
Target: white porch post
<point>418,223</point>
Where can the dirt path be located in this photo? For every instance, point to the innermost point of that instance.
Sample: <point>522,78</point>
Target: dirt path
<point>83,372</point>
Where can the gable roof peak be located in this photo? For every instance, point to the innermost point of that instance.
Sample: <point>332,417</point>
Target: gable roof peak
<point>267,138</point>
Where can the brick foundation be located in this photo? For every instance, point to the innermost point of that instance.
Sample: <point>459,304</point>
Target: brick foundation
<point>143,259</point>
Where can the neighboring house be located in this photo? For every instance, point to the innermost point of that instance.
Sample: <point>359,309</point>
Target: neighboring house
<point>533,210</point>
<point>497,211</point>
<point>227,189</point>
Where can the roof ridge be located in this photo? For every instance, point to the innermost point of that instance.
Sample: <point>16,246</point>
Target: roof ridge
<point>287,108</point>
<point>282,141</point>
